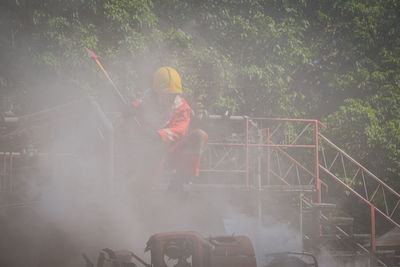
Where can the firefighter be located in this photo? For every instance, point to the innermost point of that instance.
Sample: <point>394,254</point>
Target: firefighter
<point>162,121</point>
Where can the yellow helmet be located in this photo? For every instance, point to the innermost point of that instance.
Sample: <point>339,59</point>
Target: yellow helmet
<point>167,80</point>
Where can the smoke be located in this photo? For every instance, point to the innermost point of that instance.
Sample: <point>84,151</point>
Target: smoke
<point>327,259</point>
<point>79,210</point>
<point>75,210</point>
<point>79,213</point>
<point>267,234</point>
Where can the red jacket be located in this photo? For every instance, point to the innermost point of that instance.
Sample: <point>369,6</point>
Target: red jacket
<point>171,126</point>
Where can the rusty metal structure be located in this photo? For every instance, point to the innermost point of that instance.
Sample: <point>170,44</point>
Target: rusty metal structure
<point>258,156</point>
<point>265,152</point>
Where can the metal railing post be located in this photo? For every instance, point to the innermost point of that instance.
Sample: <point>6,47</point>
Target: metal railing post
<point>318,181</point>
<point>301,220</point>
<point>373,238</point>
<point>247,151</point>
<point>372,260</point>
<point>268,157</point>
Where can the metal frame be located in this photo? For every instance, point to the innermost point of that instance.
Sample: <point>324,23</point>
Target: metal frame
<point>361,183</point>
<point>275,142</point>
<point>272,143</point>
<point>6,172</point>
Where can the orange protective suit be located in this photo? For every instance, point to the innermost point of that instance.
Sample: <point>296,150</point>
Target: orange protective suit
<point>183,149</point>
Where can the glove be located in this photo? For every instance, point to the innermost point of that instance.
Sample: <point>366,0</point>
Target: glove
<point>128,110</point>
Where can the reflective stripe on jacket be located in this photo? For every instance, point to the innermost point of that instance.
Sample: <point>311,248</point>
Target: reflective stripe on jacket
<point>173,128</point>
<point>178,125</point>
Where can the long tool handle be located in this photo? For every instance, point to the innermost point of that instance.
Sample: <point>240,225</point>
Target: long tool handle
<point>96,58</point>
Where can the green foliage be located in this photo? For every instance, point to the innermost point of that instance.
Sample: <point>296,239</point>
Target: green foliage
<point>334,60</point>
<point>372,133</point>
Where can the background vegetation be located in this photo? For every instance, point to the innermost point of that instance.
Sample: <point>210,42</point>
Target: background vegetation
<point>333,60</point>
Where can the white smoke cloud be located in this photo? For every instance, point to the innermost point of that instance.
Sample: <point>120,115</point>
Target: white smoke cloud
<point>267,234</point>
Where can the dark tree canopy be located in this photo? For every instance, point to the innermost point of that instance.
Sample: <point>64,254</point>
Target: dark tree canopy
<point>333,60</point>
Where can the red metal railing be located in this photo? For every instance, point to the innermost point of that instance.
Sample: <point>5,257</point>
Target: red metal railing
<point>267,138</point>
<point>274,141</point>
<point>361,183</point>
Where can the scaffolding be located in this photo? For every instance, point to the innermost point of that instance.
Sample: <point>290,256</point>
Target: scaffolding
<point>260,156</point>
<point>263,152</point>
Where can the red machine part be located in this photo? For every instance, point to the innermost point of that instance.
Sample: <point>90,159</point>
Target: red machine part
<point>192,249</point>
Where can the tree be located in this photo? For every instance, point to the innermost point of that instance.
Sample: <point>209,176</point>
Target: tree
<point>331,60</point>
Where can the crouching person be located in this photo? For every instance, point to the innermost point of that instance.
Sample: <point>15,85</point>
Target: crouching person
<point>159,133</point>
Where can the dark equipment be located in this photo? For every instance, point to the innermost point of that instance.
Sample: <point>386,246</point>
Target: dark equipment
<point>189,249</point>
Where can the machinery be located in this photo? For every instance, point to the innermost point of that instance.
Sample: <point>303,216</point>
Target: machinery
<point>187,249</point>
